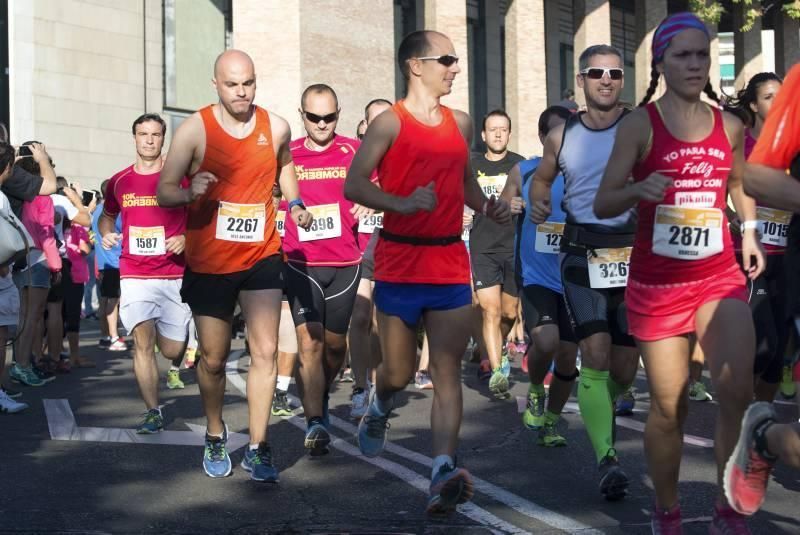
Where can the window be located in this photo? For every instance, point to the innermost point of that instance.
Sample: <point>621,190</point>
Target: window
<point>409,16</point>
<point>623,37</point>
<point>195,33</point>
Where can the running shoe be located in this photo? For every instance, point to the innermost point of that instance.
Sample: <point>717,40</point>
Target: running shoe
<point>44,370</point>
<point>13,394</point>
<point>216,461</point>
<point>747,471</point>
<point>317,437</point>
<point>666,522</point>
<point>625,403</point>
<point>258,463</point>
<point>174,380</point>
<point>698,392</point>
<point>118,345</point>
<point>522,347</point>
<point>510,350</point>
<point>484,370</point>
<point>280,404</point>
<point>533,417</point>
<point>549,437</point>
<point>450,487</point>
<point>525,363</point>
<point>64,366</point>
<point>788,388</point>
<point>372,432</point>
<point>189,357</point>
<point>505,364</point>
<point>104,342</point>
<point>359,401</point>
<point>422,380</point>
<point>498,384</point>
<point>152,423</point>
<point>727,521</point>
<point>613,481</point>
<point>9,405</point>
<point>346,376</point>
<point>25,376</point>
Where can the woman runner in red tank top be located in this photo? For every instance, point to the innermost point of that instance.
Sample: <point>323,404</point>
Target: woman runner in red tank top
<point>685,157</point>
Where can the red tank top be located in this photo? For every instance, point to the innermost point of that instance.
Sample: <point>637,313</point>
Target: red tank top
<point>685,238</point>
<point>232,226</point>
<point>419,155</point>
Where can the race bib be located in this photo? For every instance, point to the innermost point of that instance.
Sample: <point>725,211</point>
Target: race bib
<point>774,225</point>
<point>241,222</point>
<point>608,268</point>
<point>368,223</point>
<point>548,237</point>
<point>687,233</point>
<point>280,222</point>
<point>492,185</point>
<point>327,223</point>
<point>146,241</point>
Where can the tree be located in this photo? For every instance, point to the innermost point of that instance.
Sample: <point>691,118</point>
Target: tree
<point>712,11</point>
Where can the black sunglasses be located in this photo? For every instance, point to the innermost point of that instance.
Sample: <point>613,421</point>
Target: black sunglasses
<point>596,73</point>
<point>327,119</point>
<point>446,60</point>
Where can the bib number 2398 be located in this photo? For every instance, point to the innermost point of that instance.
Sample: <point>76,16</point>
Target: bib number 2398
<point>608,268</point>
<point>241,222</point>
<point>327,223</point>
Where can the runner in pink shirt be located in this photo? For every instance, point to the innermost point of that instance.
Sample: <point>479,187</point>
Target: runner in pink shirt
<point>324,262</point>
<point>151,265</point>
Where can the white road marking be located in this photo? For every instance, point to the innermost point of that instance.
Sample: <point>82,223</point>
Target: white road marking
<point>517,503</point>
<point>62,425</point>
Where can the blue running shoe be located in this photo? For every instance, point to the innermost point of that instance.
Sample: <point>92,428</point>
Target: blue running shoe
<point>259,463</point>
<point>216,461</point>
<point>25,376</point>
<point>505,364</point>
<point>625,404</point>
<point>450,487</point>
<point>153,423</point>
<point>317,437</point>
<point>372,432</point>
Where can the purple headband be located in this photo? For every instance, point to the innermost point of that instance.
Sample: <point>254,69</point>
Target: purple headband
<point>672,26</point>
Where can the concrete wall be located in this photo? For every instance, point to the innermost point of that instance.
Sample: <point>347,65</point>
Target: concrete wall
<point>78,79</point>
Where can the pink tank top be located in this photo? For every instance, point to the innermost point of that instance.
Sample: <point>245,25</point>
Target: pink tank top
<point>684,238</point>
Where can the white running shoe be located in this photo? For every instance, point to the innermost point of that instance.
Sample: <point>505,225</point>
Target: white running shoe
<point>9,405</point>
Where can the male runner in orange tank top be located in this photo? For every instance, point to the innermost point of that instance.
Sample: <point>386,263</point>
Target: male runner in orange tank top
<point>421,264</point>
<point>234,153</point>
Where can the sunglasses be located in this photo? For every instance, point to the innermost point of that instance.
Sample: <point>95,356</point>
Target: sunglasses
<point>596,73</point>
<point>327,119</point>
<point>446,60</point>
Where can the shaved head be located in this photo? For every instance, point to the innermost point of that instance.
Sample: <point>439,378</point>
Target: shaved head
<point>233,59</point>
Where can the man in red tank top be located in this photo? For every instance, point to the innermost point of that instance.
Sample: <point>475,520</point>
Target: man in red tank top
<point>421,263</point>
<point>234,152</point>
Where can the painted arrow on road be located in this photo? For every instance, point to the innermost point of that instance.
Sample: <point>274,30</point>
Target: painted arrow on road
<point>61,422</point>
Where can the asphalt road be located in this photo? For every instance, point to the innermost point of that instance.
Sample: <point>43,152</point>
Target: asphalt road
<point>57,476</point>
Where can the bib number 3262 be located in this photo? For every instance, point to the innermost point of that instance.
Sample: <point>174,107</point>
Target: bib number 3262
<point>327,223</point>
<point>241,222</point>
<point>687,233</point>
<point>608,268</point>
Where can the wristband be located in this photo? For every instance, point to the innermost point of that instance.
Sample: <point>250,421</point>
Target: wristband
<point>750,225</point>
<point>296,202</point>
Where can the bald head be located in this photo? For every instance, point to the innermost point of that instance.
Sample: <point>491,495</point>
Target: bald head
<point>235,60</point>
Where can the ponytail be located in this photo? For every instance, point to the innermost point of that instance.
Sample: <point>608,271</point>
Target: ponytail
<point>651,89</point>
<point>710,93</point>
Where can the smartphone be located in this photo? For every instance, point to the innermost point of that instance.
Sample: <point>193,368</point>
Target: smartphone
<point>87,197</point>
<point>25,151</point>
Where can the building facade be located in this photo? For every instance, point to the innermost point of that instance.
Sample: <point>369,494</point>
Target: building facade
<point>78,72</point>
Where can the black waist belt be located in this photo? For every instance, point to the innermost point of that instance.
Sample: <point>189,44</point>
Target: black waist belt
<point>576,236</point>
<point>418,240</point>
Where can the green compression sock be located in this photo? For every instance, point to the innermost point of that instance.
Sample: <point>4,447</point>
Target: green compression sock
<point>551,418</point>
<point>615,389</point>
<point>536,389</point>
<point>596,409</point>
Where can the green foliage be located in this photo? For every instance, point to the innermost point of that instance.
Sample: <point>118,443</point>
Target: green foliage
<point>711,11</point>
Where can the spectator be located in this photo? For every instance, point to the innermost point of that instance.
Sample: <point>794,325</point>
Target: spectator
<point>21,186</point>
<point>78,247</point>
<point>568,100</point>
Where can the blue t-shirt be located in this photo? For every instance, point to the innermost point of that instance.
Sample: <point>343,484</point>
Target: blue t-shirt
<point>106,258</point>
<point>538,268</point>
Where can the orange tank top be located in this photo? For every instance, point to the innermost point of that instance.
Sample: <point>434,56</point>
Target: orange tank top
<point>232,226</point>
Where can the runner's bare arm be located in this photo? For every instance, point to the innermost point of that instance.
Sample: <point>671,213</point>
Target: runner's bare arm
<point>473,194</point>
<point>616,193</point>
<point>376,143</point>
<point>179,163</point>
<point>544,176</point>
<point>773,187</point>
<point>745,205</point>
<point>512,191</point>
<point>286,174</point>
